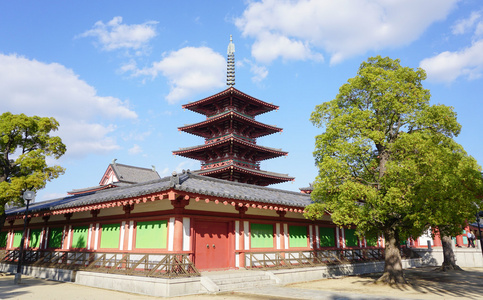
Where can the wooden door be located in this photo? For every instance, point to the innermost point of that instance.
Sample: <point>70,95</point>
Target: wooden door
<point>212,245</point>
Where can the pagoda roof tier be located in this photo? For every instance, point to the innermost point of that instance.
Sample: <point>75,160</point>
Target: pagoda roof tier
<point>230,143</point>
<point>233,171</point>
<point>231,99</point>
<point>220,124</point>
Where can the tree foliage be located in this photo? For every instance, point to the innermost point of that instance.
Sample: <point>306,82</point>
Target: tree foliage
<point>25,145</point>
<point>383,154</point>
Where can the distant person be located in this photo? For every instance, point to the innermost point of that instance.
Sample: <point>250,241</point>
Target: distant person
<point>471,239</point>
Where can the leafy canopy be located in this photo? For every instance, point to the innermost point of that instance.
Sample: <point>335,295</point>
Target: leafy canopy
<point>387,160</point>
<point>25,145</point>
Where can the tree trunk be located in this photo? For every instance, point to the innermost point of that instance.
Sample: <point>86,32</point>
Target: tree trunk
<point>449,261</point>
<point>393,271</point>
<point>3,217</point>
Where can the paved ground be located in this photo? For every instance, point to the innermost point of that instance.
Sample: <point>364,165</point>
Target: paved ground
<point>424,284</point>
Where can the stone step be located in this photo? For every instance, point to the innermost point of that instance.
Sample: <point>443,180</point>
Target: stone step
<point>222,281</point>
<point>236,280</point>
<point>233,274</point>
<point>245,285</point>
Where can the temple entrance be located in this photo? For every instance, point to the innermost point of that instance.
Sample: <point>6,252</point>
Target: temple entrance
<point>212,245</point>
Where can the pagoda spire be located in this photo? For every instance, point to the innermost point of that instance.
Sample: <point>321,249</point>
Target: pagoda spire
<point>230,69</point>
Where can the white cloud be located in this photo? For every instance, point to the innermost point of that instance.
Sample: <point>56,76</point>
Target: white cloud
<point>464,25</point>
<point>277,45</point>
<point>190,70</point>
<point>115,35</point>
<point>448,66</point>
<point>37,88</point>
<point>479,29</point>
<point>468,62</point>
<point>136,149</point>
<point>299,30</point>
<point>259,72</point>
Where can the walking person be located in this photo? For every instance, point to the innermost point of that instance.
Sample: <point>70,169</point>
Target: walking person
<point>471,239</point>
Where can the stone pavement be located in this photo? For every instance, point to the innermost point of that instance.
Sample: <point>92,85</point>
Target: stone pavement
<point>424,284</point>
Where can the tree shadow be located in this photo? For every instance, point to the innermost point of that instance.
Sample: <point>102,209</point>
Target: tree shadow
<point>10,290</point>
<point>462,284</point>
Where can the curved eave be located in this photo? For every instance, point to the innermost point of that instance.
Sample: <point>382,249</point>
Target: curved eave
<point>190,152</point>
<point>264,174</point>
<point>195,185</point>
<point>231,90</point>
<point>91,189</point>
<point>194,128</point>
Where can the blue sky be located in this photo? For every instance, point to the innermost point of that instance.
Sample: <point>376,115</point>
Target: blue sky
<point>115,73</point>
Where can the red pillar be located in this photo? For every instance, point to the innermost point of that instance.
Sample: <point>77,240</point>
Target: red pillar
<point>178,234</point>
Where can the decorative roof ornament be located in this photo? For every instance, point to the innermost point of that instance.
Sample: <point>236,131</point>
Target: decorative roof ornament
<point>230,69</point>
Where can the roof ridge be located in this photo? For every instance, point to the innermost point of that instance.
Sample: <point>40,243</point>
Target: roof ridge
<point>258,187</point>
<point>133,167</point>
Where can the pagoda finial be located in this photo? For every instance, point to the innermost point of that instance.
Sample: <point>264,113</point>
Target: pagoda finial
<point>230,69</point>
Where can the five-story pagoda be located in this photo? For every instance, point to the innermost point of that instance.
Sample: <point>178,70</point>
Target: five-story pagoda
<point>230,130</point>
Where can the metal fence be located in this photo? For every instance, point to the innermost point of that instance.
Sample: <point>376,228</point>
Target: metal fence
<point>166,265</point>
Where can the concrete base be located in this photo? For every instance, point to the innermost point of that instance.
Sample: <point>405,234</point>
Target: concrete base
<point>158,287</point>
<point>286,276</point>
<point>45,273</point>
<point>465,257</point>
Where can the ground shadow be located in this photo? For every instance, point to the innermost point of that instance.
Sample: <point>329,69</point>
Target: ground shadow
<point>10,290</point>
<point>462,284</point>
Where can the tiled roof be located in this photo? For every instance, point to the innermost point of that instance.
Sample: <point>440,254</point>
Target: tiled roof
<point>188,182</point>
<point>133,174</point>
<point>246,170</point>
<point>228,115</point>
<point>242,191</point>
<point>231,90</point>
<point>262,152</point>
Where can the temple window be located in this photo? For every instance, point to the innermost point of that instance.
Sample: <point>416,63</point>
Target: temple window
<point>327,237</point>
<point>110,236</point>
<point>261,235</point>
<point>152,234</point>
<point>79,236</point>
<point>297,236</point>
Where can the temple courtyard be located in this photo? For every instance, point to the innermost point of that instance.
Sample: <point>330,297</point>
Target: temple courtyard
<point>424,283</point>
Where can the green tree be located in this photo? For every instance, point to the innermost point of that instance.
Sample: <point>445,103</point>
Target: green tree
<point>25,145</point>
<point>447,204</point>
<point>369,153</point>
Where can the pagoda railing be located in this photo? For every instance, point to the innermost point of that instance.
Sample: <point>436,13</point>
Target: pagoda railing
<point>312,258</point>
<point>228,109</point>
<point>165,265</point>
<point>228,136</point>
<point>255,166</point>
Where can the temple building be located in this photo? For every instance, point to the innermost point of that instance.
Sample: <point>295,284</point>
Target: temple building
<point>219,217</point>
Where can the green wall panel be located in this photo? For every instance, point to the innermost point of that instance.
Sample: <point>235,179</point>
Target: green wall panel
<point>327,237</point>
<point>55,237</point>
<point>297,236</point>
<point>152,234</point>
<point>110,235</point>
<point>35,238</point>
<point>261,235</point>
<point>3,239</point>
<point>79,236</point>
<point>17,238</point>
<point>350,238</point>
